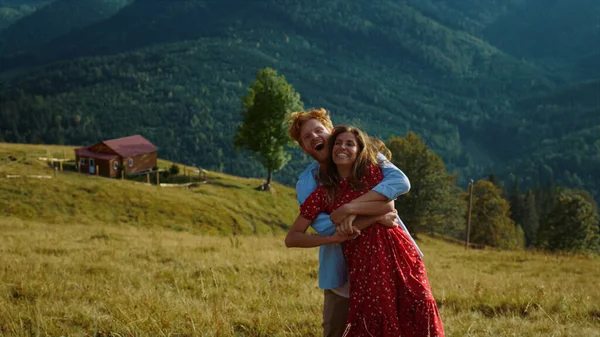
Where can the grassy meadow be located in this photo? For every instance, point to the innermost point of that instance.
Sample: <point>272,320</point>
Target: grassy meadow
<point>101,280</point>
<point>88,256</point>
<point>222,204</point>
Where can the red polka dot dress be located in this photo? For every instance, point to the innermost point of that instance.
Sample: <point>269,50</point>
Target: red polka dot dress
<point>390,294</point>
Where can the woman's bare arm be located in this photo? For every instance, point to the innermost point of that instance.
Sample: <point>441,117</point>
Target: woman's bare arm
<point>371,208</point>
<point>361,208</point>
<point>297,236</point>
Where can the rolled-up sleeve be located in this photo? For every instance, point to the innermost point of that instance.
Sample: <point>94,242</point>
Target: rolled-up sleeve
<point>394,183</point>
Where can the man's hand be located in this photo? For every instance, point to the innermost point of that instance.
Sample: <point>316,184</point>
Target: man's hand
<point>340,214</point>
<point>346,226</point>
<point>339,237</point>
<point>389,220</point>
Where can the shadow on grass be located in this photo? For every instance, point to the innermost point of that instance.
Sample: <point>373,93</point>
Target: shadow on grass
<point>505,309</point>
<point>490,311</point>
<point>225,184</point>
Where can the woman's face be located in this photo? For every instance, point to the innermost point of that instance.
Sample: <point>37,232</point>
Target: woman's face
<point>345,149</point>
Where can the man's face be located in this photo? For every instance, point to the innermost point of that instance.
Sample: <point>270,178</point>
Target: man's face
<point>313,140</point>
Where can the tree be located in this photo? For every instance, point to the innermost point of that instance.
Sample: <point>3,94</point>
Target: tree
<point>433,203</point>
<point>524,212</point>
<point>545,198</point>
<point>572,225</point>
<point>490,220</point>
<point>496,181</point>
<point>517,203</point>
<point>263,130</point>
<point>530,221</point>
<point>174,169</point>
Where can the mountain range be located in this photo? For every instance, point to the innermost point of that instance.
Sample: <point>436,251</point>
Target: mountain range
<point>506,86</point>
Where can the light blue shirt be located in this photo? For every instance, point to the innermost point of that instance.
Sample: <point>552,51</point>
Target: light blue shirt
<point>333,271</point>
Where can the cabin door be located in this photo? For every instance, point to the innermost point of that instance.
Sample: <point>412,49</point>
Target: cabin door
<point>92,166</point>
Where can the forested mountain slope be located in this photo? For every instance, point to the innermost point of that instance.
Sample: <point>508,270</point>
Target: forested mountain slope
<point>175,70</point>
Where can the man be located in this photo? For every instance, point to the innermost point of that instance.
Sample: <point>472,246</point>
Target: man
<point>311,130</point>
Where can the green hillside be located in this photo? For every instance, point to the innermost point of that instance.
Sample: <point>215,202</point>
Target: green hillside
<point>556,137</point>
<point>10,14</point>
<point>192,89</point>
<point>221,204</point>
<point>23,38</point>
<point>554,33</point>
<point>470,16</point>
<point>555,160</point>
<point>174,71</point>
<point>13,10</point>
<point>557,33</point>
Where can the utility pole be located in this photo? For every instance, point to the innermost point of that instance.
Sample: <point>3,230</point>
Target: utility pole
<point>469,213</point>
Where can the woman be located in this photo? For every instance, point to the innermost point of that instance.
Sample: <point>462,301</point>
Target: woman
<point>389,290</point>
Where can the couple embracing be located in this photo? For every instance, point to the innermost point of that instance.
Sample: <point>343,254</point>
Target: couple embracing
<point>370,268</point>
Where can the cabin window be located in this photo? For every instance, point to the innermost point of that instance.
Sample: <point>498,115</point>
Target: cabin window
<point>83,161</point>
<point>130,162</point>
<point>116,165</point>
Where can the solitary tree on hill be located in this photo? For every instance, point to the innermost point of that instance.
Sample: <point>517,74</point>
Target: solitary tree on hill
<point>264,130</point>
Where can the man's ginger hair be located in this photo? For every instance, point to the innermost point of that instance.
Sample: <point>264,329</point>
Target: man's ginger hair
<point>297,119</point>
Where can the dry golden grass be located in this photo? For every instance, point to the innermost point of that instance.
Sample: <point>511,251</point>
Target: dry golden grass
<point>86,280</point>
<point>87,256</point>
<point>95,279</point>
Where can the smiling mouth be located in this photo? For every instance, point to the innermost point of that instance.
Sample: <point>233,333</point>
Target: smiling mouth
<point>319,147</point>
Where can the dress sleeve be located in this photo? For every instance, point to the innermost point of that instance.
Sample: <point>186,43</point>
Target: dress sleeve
<point>315,204</point>
<point>374,176</point>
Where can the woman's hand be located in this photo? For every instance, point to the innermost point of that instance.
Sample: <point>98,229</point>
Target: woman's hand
<point>340,214</point>
<point>346,227</point>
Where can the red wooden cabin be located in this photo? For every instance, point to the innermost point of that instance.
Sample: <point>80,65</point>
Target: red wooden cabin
<point>131,154</point>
